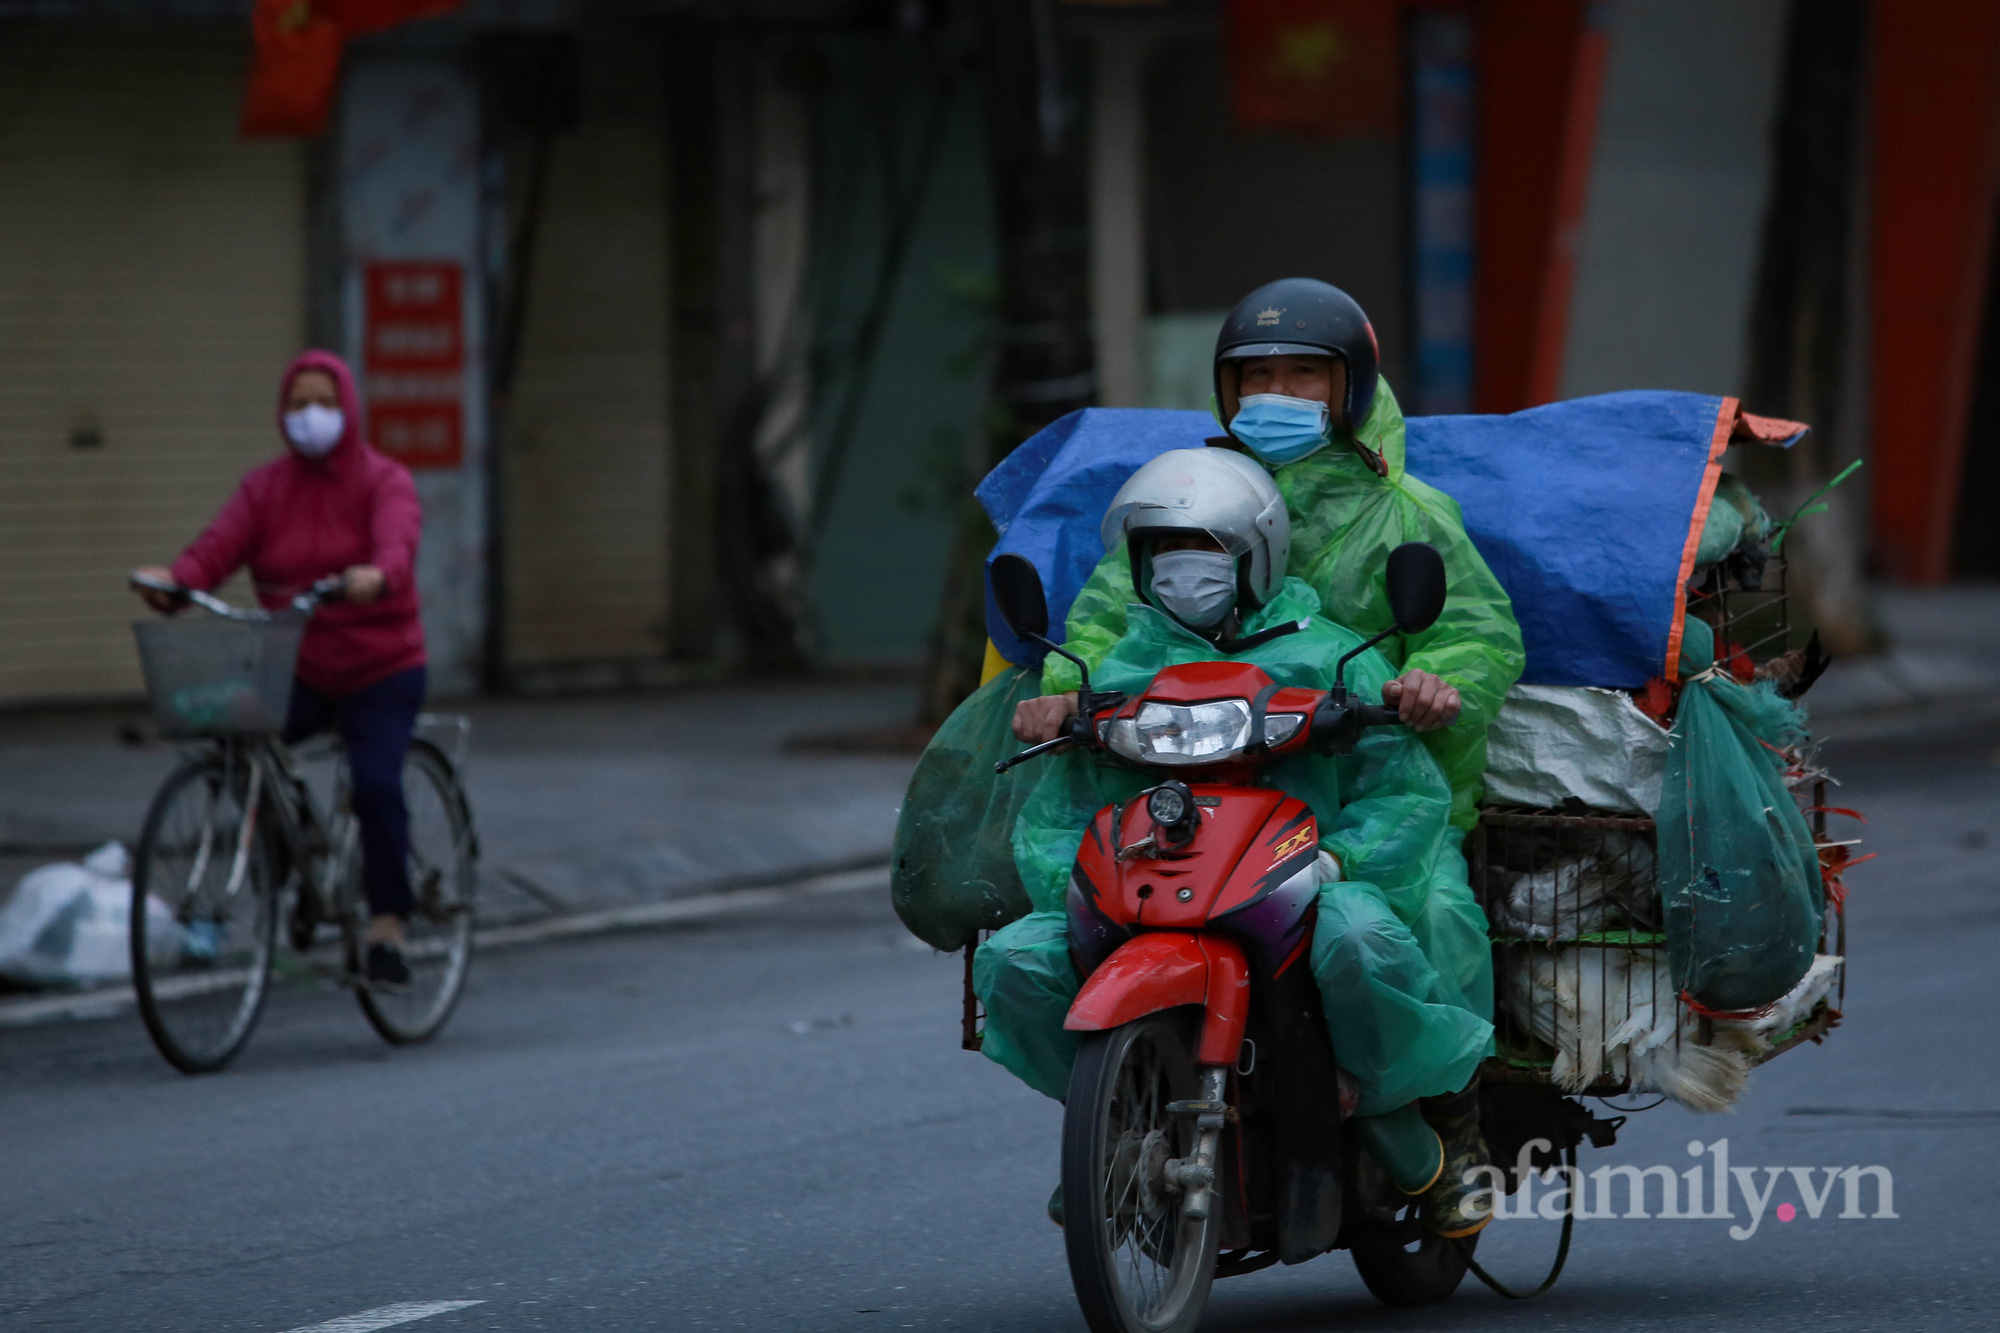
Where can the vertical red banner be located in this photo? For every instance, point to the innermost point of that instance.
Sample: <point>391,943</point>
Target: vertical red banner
<point>413,353</point>
<point>1540,73</point>
<point>1936,108</point>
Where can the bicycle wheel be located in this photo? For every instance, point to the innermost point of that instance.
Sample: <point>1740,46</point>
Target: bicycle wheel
<point>1138,1263</point>
<point>203,917</point>
<point>438,934</point>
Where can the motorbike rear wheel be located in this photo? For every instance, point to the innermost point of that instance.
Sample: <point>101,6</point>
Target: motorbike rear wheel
<point>1423,1271</point>
<point>1139,1264</point>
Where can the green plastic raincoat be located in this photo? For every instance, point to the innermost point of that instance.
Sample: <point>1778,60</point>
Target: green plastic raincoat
<point>1351,504</point>
<point>1400,948</point>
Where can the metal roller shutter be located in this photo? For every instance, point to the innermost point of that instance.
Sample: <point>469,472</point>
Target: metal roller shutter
<point>152,288</point>
<point>586,464</point>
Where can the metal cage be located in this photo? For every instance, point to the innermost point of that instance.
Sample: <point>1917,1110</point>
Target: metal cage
<point>1579,956</point>
<point>1572,897</point>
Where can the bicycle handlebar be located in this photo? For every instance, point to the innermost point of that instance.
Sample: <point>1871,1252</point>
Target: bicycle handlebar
<point>329,589</point>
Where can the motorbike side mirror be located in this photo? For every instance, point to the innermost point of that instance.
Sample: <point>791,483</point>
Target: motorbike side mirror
<point>1416,586</point>
<point>1017,592</point>
<point>1415,576</point>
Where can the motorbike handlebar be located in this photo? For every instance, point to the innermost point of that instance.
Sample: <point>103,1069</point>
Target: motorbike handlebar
<point>1075,731</point>
<point>1337,725</point>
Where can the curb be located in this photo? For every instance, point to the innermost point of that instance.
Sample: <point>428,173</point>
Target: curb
<point>110,1001</point>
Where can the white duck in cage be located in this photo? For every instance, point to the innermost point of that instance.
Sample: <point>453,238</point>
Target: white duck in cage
<point>1611,888</point>
<point>1612,1010</point>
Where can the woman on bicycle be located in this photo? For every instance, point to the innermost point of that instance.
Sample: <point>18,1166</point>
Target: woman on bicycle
<point>330,504</point>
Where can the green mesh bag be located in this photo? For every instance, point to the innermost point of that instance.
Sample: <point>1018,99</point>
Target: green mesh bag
<point>1739,876</point>
<point>953,870</point>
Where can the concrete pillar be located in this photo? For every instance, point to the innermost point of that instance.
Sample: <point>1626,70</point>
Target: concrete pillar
<point>1118,218</point>
<point>415,318</point>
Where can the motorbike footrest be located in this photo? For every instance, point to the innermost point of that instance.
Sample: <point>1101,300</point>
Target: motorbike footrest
<point>1204,1108</point>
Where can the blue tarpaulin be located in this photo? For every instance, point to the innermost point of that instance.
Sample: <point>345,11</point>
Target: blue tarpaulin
<point>1047,498</point>
<point>1582,509</point>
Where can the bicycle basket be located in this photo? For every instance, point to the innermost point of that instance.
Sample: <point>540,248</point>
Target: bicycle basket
<point>210,676</point>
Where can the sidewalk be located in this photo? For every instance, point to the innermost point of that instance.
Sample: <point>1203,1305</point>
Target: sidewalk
<point>1944,656</point>
<point>581,804</point>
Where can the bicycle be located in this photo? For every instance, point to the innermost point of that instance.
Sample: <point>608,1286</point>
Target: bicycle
<point>235,839</point>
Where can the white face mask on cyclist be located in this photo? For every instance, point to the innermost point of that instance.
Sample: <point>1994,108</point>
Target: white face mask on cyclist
<point>314,429</point>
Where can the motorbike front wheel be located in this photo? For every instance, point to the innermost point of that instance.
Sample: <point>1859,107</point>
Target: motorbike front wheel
<point>1139,1264</point>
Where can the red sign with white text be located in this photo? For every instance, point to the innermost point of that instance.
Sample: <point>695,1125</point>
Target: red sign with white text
<point>413,354</point>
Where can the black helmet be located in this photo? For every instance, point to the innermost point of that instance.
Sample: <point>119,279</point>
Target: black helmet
<point>1301,316</point>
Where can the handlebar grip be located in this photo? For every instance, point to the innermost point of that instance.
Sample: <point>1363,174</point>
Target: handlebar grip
<point>1373,715</point>
<point>174,592</point>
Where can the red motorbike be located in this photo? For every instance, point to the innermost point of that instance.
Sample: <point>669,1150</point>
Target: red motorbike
<point>1203,1131</point>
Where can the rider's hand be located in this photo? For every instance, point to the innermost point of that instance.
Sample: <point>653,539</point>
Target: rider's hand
<point>1422,700</point>
<point>364,583</point>
<point>163,602</point>
<point>1038,720</point>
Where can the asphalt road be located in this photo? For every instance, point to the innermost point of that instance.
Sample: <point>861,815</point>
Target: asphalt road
<point>764,1122</point>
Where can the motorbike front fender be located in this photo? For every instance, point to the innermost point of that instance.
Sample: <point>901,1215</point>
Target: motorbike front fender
<point>1165,969</point>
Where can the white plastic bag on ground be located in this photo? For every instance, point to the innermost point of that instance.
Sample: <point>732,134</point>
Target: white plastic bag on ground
<point>69,924</point>
<point>1553,742</point>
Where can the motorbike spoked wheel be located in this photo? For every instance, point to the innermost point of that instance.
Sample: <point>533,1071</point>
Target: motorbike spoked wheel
<point>1418,1273</point>
<point>1139,1264</point>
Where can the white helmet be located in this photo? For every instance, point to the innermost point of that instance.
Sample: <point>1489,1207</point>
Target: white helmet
<point>1214,491</point>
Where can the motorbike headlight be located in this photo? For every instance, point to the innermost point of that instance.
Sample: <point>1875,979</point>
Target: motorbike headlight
<point>1178,734</point>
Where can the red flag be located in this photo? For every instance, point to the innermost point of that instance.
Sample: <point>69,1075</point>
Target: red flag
<point>295,66</point>
<point>358,18</point>
<point>293,71</point>
<point>1327,68</point>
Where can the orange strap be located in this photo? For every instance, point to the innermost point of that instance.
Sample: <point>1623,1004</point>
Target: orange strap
<point>1725,423</point>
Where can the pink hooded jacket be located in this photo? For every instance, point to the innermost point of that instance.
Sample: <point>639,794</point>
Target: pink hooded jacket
<point>296,519</point>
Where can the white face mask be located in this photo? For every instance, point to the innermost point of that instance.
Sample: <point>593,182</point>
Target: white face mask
<point>1196,588</point>
<point>314,430</point>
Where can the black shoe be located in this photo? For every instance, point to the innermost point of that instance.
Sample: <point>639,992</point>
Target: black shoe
<point>386,969</point>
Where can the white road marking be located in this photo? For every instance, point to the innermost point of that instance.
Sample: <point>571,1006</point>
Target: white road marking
<point>113,1000</point>
<point>387,1316</point>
